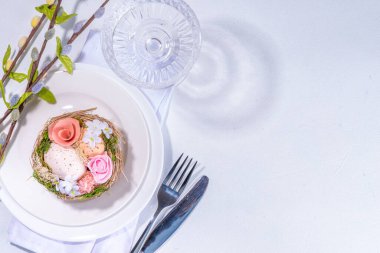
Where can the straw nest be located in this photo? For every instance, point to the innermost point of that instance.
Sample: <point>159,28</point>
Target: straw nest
<point>44,175</point>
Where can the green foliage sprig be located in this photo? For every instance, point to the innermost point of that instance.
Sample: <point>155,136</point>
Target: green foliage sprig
<point>19,77</point>
<point>49,12</point>
<point>64,59</point>
<point>57,16</point>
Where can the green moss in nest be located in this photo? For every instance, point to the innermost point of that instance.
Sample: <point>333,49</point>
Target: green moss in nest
<point>43,148</point>
<point>111,145</point>
<point>49,185</point>
<point>96,192</point>
<point>44,144</point>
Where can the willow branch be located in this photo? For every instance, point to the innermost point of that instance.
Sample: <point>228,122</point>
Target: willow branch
<point>22,49</point>
<point>51,25</point>
<point>9,135</point>
<point>70,41</point>
<point>41,75</point>
<point>34,68</point>
<point>89,21</point>
<point>36,63</point>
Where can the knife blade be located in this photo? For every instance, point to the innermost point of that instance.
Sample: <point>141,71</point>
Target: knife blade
<point>171,222</point>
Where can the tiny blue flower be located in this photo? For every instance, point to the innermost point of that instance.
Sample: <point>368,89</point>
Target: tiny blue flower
<point>94,127</point>
<point>68,187</point>
<point>14,100</point>
<point>107,131</point>
<point>100,12</point>
<point>74,191</point>
<point>66,49</point>
<point>91,139</point>
<point>65,187</point>
<point>37,87</point>
<point>78,26</point>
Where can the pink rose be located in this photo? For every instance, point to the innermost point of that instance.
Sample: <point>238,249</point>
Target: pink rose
<point>86,183</point>
<point>101,168</point>
<point>64,132</point>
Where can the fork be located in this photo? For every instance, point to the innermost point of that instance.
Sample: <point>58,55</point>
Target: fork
<point>169,192</point>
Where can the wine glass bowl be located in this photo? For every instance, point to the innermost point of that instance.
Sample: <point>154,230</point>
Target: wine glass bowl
<point>151,43</point>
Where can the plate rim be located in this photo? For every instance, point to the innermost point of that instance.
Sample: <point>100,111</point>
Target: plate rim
<point>116,221</point>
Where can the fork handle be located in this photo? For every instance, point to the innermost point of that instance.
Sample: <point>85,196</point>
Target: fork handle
<point>140,243</point>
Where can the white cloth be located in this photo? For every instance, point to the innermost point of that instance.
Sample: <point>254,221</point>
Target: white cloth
<point>120,241</point>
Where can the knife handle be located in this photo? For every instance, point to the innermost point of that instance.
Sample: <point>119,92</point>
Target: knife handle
<point>140,243</point>
<point>177,215</point>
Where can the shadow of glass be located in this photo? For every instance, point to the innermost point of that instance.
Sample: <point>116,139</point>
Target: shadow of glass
<point>70,23</point>
<point>233,83</point>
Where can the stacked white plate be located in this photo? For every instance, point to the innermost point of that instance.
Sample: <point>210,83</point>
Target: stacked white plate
<point>41,210</point>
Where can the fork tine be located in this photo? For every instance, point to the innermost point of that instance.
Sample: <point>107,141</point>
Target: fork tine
<point>186,179</point>
<point>172,169</point>
<point>183,173</point>
<point>178,171</point>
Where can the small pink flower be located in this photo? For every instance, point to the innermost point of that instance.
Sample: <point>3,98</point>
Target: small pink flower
<point>64,132</point>
<point>101,168</point>
<point>86,183</point>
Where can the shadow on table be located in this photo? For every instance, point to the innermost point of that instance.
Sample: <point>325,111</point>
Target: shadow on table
<point>234,81</point>
<point>232,84</point>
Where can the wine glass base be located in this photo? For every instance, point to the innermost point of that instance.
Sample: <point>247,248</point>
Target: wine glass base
<point>153,43</point>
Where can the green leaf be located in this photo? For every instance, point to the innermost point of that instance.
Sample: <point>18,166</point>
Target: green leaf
<point>49,13</point>
<point>35,73</point>
<point>44,9</point>
<point>64,17</point>
<point>67,63</point>
<point>47,95</point>
<point>6,57</point>
<point>22,99</point>
<point>19,77</point>
<point>3,94</point>
<point>59,47</point>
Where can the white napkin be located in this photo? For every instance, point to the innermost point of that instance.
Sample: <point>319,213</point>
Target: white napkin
<point>120,241</point>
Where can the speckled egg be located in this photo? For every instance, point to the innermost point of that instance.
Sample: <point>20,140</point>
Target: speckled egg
<point>88,151</point>
<point>64,162</point>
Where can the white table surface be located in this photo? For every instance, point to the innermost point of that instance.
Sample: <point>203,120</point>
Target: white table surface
<point>283,111</point>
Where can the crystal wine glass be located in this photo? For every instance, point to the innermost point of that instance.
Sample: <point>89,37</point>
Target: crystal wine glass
<point>151,43</point>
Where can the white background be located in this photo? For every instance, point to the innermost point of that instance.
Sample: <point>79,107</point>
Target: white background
<point>283,111</point>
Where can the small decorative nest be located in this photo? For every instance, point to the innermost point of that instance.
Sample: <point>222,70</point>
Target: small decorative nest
<point>78,155</point>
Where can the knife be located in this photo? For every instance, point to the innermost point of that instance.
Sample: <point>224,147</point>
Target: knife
<point>175,217</point>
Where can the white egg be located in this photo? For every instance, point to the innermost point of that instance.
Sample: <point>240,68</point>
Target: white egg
<point>64,162</point>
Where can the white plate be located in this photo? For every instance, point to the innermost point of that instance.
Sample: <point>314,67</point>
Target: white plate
<point>39,209</point>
